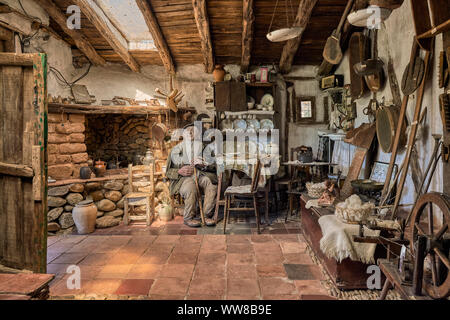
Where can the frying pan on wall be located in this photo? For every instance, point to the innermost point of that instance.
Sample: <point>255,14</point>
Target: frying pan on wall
<point>412,76</point>
<point>358,52</point>
<point>373,71</point>
<point>159,131</point>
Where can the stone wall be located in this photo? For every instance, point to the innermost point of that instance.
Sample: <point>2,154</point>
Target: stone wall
<point>108,196</point>
<point>66,145</point>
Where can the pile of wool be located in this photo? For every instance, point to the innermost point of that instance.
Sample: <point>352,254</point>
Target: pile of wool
<point>355,202</point>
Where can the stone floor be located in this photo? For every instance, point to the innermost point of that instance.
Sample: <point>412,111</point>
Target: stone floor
<point>239,224</point>
<point>172,261</point>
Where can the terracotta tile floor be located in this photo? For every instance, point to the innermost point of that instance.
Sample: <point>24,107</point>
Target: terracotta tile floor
<point>137,260</point>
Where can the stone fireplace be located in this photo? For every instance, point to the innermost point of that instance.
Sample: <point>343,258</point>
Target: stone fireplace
<point>74,139</point>
<point>118,139</point>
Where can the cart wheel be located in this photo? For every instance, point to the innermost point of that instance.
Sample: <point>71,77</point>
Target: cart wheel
<point>436,278</point>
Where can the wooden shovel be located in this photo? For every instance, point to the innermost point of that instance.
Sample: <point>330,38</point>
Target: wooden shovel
<point>332,51</point>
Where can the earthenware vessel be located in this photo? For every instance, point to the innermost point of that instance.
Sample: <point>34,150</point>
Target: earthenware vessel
<point>85,173</point>
<point>218,73</point>
<point>166,212</point>
<point>148,159</point>
<point>84,215</point>
<point>100,168</point>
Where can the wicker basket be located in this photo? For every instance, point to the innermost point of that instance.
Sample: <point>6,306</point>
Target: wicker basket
<point>315,190</point>
<point>353,215</point>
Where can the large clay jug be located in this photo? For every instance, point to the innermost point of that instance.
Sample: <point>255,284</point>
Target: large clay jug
<point>84,215</point>
<point>218,73</point>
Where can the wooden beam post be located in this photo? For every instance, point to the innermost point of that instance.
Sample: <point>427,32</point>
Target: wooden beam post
<point>202,21</point>
<point>158,37</point>
<point>248,18</point>
<point>96,16</point>
<point>80,40</point>
<point>304,11</point>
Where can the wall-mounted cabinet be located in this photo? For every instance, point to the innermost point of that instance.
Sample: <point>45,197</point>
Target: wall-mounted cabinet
<point>230,96</point>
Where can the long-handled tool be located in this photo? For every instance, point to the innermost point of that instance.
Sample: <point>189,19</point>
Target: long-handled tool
<point>332,51</point>
<point>413,132</point>
<point>398,133</point>
<point>199,196</point>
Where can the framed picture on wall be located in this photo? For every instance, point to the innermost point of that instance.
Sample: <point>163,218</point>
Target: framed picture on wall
<point>305,110</point>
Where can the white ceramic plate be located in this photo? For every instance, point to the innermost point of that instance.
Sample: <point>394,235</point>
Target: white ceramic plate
<point>267,124</point>
<point>226,124</point>
<point>253,124</point>
<point>240,124</point>
<point>267,100</point>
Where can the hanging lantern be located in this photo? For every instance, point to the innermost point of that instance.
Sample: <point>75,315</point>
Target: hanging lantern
<point>287,33</point>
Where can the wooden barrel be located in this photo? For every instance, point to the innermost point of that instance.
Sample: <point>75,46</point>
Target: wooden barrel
<point>387,119</point>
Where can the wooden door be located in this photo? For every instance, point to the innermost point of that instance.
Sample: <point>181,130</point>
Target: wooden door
<point>238,98</point>
<point>23,161</point>
<point>222,95</point>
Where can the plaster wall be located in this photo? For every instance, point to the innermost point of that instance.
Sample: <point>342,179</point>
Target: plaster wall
<point>306,134</point>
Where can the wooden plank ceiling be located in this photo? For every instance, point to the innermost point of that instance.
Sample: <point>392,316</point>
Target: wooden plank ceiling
<point>178,26</point>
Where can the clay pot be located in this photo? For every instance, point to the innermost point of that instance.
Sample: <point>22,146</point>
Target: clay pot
<point>100,168</point>
<point>166,212</point>
<point>148,159</point>
<point>218,73</point>
<point>84,215</point>
<point>85,173</point>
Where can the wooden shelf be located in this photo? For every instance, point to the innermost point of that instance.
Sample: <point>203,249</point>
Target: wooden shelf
<point>112,177</point>
<point>259,84</point>
<point>96,109</point>
<point>253,112</point>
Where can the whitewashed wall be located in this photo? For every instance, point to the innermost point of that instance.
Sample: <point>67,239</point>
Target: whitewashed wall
<point>396,36</point>
<point>306,134</point>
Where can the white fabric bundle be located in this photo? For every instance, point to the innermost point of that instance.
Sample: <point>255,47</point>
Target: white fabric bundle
<point>337,241</point>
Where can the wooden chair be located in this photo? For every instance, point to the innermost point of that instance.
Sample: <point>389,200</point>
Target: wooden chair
<point>248,191</point>
<point>291,181</point>
<point>142,192</point>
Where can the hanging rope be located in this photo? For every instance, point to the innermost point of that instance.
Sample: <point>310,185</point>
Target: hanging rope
<point>287,14</point>
<point>273,16</point>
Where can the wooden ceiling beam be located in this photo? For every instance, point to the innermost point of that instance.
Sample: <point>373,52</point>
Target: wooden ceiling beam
<point>80,40</point>
<point>248,19</point>
<point>202,21</point>
<point>158,37</point>
<point>96,16</point>
<point>304,12</point>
